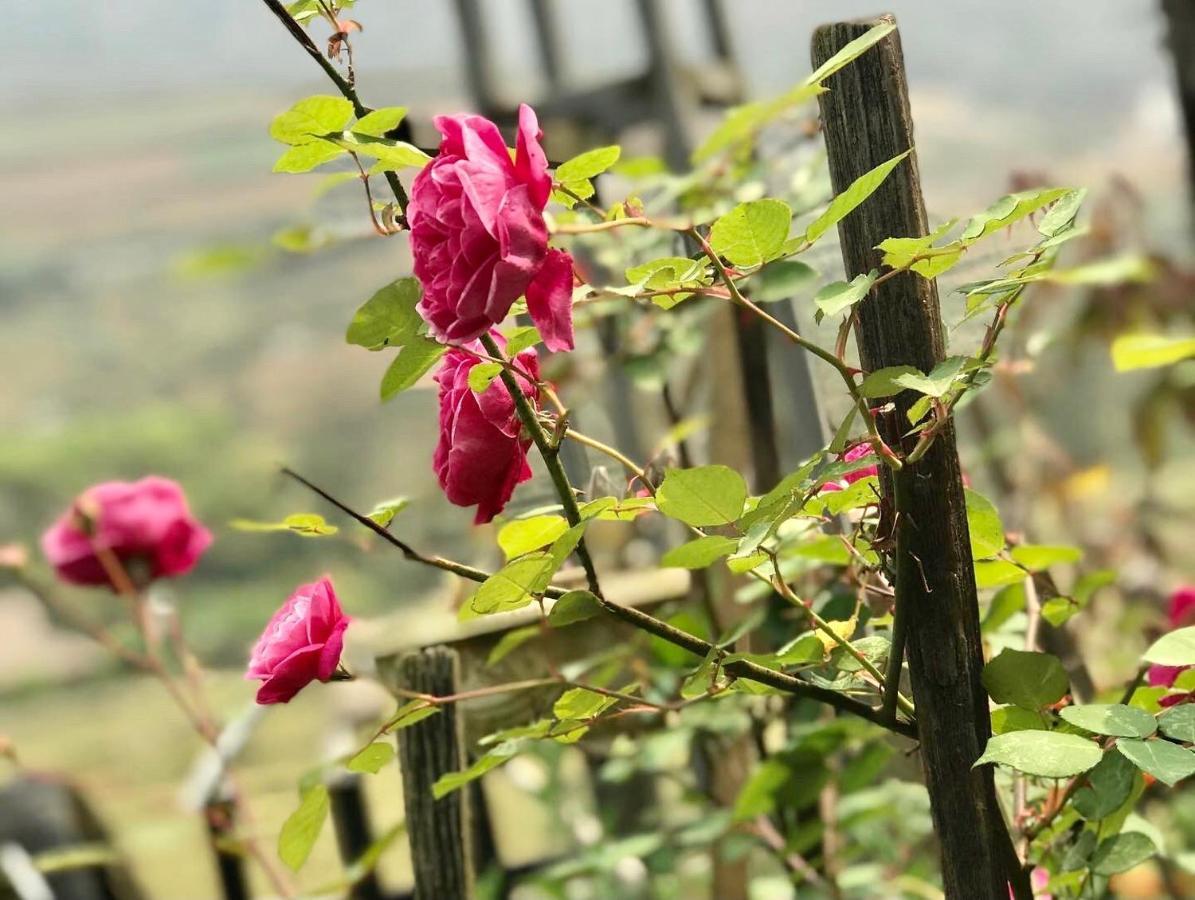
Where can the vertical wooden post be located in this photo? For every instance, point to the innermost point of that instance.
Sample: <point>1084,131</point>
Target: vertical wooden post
<point>350,820</point>
<point>230,864</point>
<point>866,120</point>
<point>439,830</point>
<point>1180,15</point>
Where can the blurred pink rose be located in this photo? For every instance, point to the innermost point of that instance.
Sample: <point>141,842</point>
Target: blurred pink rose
<point>301,644</point>
<point>145,524</point>
<point>482,452</point>
<point>859,451</point>
<point>478,235</point>
<point>1181,614</point>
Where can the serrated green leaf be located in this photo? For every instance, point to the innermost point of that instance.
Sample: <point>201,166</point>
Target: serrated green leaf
<point>983,522</point>
<point>311,117</point>
<point>414,360</point>
<point>699,553</point>
<point>302,827</point>
<point>752,232</point>
<point>839,296</point>
<point>1149,351</point>
<point>1121,852</point>
<point>514,585</point>
<point>378,122</point>
<point>858,191</point>
<point>388,318</point>
<point>1178,723</point>
<point>490,760</point>
<point>384,512</point>
<point>390,155</point>
<point>1044,754</point>
<point>408,714</point>
<point>1008,210</point>
<point>1167,762</point>
<point>305,157</point>
<point>1026,679</point>
<point>482,375</point>
<point>703,496</point>
<point>520,338</point>
<point>1114,719</point>
<point>524,535</point>
<point>371,758</point>
<point>851,51</point>
<point>588,164</point>
<point>581,704</point>
<point>304,524</point>
<point>1038,557</point>
<point>1014,718</point>
<point>1107,787</point>
<point>575,606</point>
<point>1177,648</point>
<point>992,573</point>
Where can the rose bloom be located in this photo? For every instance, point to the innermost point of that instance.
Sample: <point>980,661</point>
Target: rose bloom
<point>301,644</point>
<point>859,451</point>
<point>1181,614</point>
<point>482,452</point>
<point>144,524</point>
<point>478,235</point>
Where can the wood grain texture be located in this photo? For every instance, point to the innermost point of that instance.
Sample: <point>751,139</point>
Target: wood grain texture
<point>867,121</point>
<point>440,831</point>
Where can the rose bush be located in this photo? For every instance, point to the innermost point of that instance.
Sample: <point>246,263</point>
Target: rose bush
<point>146,525</point>
<point>478,235</point>
<point>301,643</point>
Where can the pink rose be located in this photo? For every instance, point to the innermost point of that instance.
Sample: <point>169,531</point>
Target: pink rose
<point>1181,614</point>
<point>145,524</point>
<point>482,452</point>
<point>478,235</point>
<point>301,644</point>
<point>859,451</point>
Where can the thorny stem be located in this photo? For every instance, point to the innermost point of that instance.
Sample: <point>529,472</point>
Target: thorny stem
<point>342,84</point>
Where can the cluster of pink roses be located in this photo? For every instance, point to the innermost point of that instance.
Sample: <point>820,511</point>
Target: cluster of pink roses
<point>139,531</point>
<point>479,242</point>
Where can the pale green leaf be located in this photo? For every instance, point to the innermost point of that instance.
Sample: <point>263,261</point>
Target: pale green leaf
<point>1167,762</point>
<point>983,521</point>
<point>482,375</point>
<point>699,553</point>
<point>588,164</point>
<point>371,758</point>
<point>1038,557</point>
<point>575,606</point>
<point>1177,648</point>
<point>305,524</point>
<point>384,512</point>
<point>378,122</point>
<point>839,296</point>
<point>310,118</point>
<point>1114,719</point>
<point>524,535</point>
<point>1044,754</point>
<point>752,232</point>
<point>707,495</point>
<point>1149,351</point>
<point>305,157</point>
<point>388,318</point>
<point>851,51</point>
<point>302,827</point>
<point>417,356</point>
<point>1178,723</point>
<point>858,191</point>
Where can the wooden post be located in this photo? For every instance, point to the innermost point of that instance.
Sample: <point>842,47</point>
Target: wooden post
<point>230,864</point>
<point>439,830</point>
<point>1180,16</point>
<point>866,120</point>
<point>350,820</point>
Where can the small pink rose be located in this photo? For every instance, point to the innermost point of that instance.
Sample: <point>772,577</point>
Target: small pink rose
<point>145,524</point>
<point>482,452</point>
<point>478,235</point>
<point>857,452</point>
<point>301,644</point>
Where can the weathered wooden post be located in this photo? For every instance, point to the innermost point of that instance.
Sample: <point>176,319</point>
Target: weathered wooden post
<point>867,121</point>
<point>440,830</point>
<point>1180,16</point>
<point>350,821</point>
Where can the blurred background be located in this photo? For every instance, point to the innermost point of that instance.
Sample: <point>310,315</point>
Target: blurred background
<point>168,305</point>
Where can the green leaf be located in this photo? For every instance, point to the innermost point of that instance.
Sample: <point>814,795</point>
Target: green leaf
<point>524,535</point>
<point>305,157</point>
<point>1061,215</point>
<point>1059,610</point>
<point>520,338</point>
<point>838,296</point>
<point>707,495</point>
<point>302,827</point>
<point>1174,649</point>
<point>858,191</point>
<point>493,758</point>
<point>575,606</point>
<point>409,713</point>
<point>510,642</point>
<point>388,318</point>
<point>887,381</point>
<point>514,585</point>
<point>412,363</point>
<point>758,796</point>
<point>1108,787</point>
<point>1149,351</point>
<point>311,117</point>
<point>1078,854</point>
<point>383,513</point>
<point>1113,719</point>
<point>1045,754</point>
<point>378,122</point>
<point>1013,718</point>
<point>983,521</point>
<point>371,758</point>
<point>990,573</point>
<point>1008,210</point>
<point>1167,762</point>
<point>1039,557</point>
<point>752,232</point>
<point>1009,601</point>
<point>699,553</point>
<point>1121,852</point>
<point>305,524</point>
<point>894,379</point>
<point>390,155</point>
<point>1026,679</point>
<point>588,164</point>
<point>581,704</point>
<point>482,375</point>
<point>851,52</point>
<point>1178,723</point>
